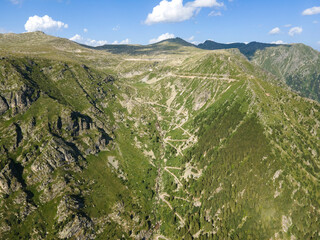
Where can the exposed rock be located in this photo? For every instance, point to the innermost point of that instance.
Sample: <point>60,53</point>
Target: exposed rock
<point>21,100</point>
<point>52,189</point>
<point>3,105</point>
<point>8,182</point>
<point>68,205</point>
<point>79,228</point>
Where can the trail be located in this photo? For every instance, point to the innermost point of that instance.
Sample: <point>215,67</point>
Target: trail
<point>174,176</point>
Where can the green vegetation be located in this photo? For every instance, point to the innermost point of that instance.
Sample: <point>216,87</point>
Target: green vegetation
<point>159,141</point>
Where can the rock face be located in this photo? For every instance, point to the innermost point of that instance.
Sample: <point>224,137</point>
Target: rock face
<point>20,100</point>
<point>80,227</point>
<point>8,181</point>
<point>43,153</point>
<point>3,105</point>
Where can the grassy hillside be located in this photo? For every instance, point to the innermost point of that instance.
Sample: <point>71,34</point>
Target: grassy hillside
<point>298,65</point>
<point>166,141</point>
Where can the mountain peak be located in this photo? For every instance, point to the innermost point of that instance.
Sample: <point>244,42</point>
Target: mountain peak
<point>176,40</point>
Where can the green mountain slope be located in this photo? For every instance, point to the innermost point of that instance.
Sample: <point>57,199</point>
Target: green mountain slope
<point>298,65</point>
<point>246,49</point>
<point>173,142</point>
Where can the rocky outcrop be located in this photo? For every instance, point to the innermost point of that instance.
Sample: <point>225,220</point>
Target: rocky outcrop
<point>3,105</point>
<point>67,206</point>
<point>8,181</point>
<point>20,100</point>
<point>79,227</point>
<point>55,154</point>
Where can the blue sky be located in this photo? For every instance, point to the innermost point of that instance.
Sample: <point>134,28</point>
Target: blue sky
<point>143,21</point>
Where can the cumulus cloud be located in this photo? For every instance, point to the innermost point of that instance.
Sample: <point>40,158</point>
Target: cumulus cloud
<point>278,42</point>
<point>176,11</point>
<point>88,41</point>
<point>44,23</point>
<point>162,37</point>
<point>295,30</point>
<point>274,31</point>
<point>311,11</point>
<point>85,30</point>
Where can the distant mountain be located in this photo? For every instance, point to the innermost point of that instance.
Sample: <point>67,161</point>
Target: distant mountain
<point>211,45</point>
<point>173,44</point>
<point>297,64</point>
<point>246,49</point>
<point>178,41</point>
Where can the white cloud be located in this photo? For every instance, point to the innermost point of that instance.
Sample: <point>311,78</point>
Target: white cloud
<point>274,31</point>
<point>295,30</point>
<point>215,14</point>
<point>126,41</point>
<point>85,30</point>
<point>278,42</point>
<point>88,41</point>
<point>176,11</point>
<point>44,23</point>
<point>206,3</point>
<point>191,38</point>
<point>76,38</point>
<point>95,43</point>
<point>311,11</point>
<point>315,22</point>
<point>288,25</point>
<point>162,37</point>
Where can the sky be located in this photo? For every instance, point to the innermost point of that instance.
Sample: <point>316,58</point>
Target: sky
<point>98,22</point>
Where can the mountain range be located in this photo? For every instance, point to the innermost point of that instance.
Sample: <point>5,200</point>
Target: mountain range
<point>164,141</point>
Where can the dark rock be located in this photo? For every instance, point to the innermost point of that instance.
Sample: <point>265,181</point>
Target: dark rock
<point>8,182</point>
<point>3,105</point>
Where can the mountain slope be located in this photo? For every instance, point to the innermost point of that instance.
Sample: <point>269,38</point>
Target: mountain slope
<point>246,49</point>
<point>176,143</point>
<point>298,65</point>
<point>169,46</point>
